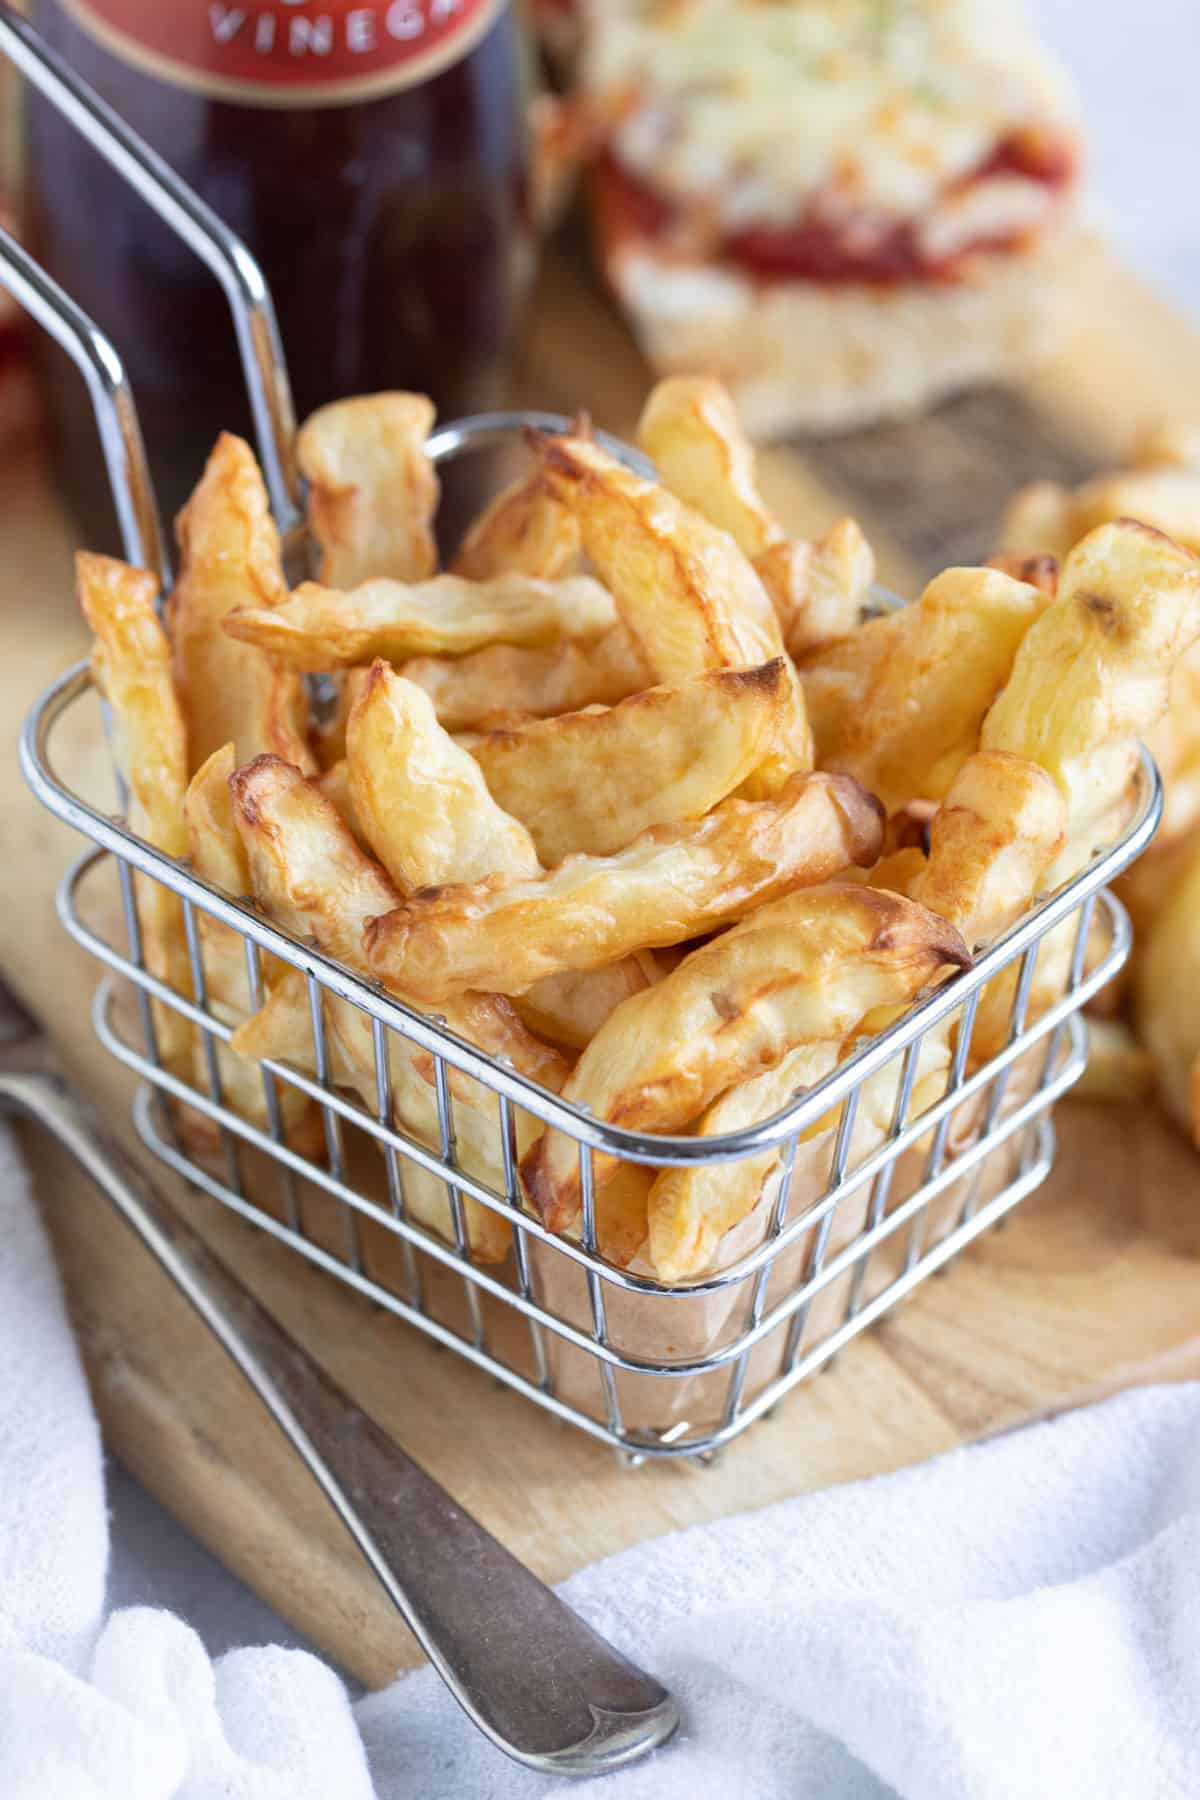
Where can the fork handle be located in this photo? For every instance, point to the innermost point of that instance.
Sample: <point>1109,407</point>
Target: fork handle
<point>539,1682</point>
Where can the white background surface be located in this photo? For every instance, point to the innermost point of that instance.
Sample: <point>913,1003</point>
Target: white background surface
<point>1137,63</point>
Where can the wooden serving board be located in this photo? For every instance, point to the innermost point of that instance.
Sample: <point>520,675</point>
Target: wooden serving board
<point>1094,1285</point>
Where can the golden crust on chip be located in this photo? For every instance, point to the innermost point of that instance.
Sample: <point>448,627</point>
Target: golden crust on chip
<point>420,799</point>
<point>307,870</point>
<point>899,703</point>
<point>1092,675</point>
<point>372,488</point>
<point>328,628</point>
<point>805,968</point>
<point>690,429</point>
<point>672,883</point>
<point>570,1008</point>
<point>131,665</point>
<point>682,586</point>
<point>565,678</point>
<point>231,692</point>
<point>690,1209</point>
<point>592,781</point>
<point>218,855</point>
<point>525,531</point>
<point>998,830</point>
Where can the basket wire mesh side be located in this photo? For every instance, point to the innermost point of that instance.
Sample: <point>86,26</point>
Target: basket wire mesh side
<point>871,1182</point>
<point>856,1212</point>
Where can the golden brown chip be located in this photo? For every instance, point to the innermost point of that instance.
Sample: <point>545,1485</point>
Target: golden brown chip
<point>690,1209</point>
<point>1092,675</point>
<point>690,429</point>
<point>525,531</point>
<point>592,781</point>
<point>131,666</point>
<point>218,855</point>
<point>422,801</point>
<point>372,488</point>
<point>999,829</point>
<point>899,704</point>
<point>672,883</point>
<point>231,692</point>
<point>682,586</point>
<point>214,843</point>
<point>468,691</point>
<point>807,968</point>
<point>328,628</point>
<point>818,589</point>
<point>570,1008</point>
<point>309,873</point>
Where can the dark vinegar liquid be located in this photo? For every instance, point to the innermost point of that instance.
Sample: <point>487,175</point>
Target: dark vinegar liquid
<point>394,233</point>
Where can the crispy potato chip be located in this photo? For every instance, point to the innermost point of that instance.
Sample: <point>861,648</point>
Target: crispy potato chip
<point>372,489</point>
<point>899,704</point>
<point>213,841</point>
<point>229,557</point>
<point>304,865</point>
<point>570,1008</point>
<point>818,589</point>
<point>307,870</point>
<point>999,829</point>
<point>131,666</point>
<point>468,691</point>
<point>672,883</point>
<point>335,785</point>
<point>690,1209</point>
<point>681,585</point>
<point>593,781</point>
<point>690,429</point>
<point>422,801</point>
<point>218,855</point>
<point>282,1032</point>
<point>1167,1003</point>
<point>1092,675</point>
<point>326,628</point>
<point>806,968</point>
<point>525,531</point>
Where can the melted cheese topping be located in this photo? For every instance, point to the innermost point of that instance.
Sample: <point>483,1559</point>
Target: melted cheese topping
<point>762,108</point>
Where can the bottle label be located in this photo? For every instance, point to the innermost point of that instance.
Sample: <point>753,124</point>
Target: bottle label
<point>289,52</point>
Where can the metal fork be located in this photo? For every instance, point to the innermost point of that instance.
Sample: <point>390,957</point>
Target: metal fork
<point>540,1683</point>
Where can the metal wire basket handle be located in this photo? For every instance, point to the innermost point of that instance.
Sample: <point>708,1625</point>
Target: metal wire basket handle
<point>255,325</point>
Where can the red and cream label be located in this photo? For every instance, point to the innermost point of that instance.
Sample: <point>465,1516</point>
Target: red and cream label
<point>288,52</point>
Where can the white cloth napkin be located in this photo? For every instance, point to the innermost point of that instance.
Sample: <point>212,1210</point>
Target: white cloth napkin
<point>1011,1621</point>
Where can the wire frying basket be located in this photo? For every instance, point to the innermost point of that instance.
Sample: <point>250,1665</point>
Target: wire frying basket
<point>868,1182</point>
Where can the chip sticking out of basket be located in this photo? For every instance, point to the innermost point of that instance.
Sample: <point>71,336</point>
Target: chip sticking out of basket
<point>640,829</point>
